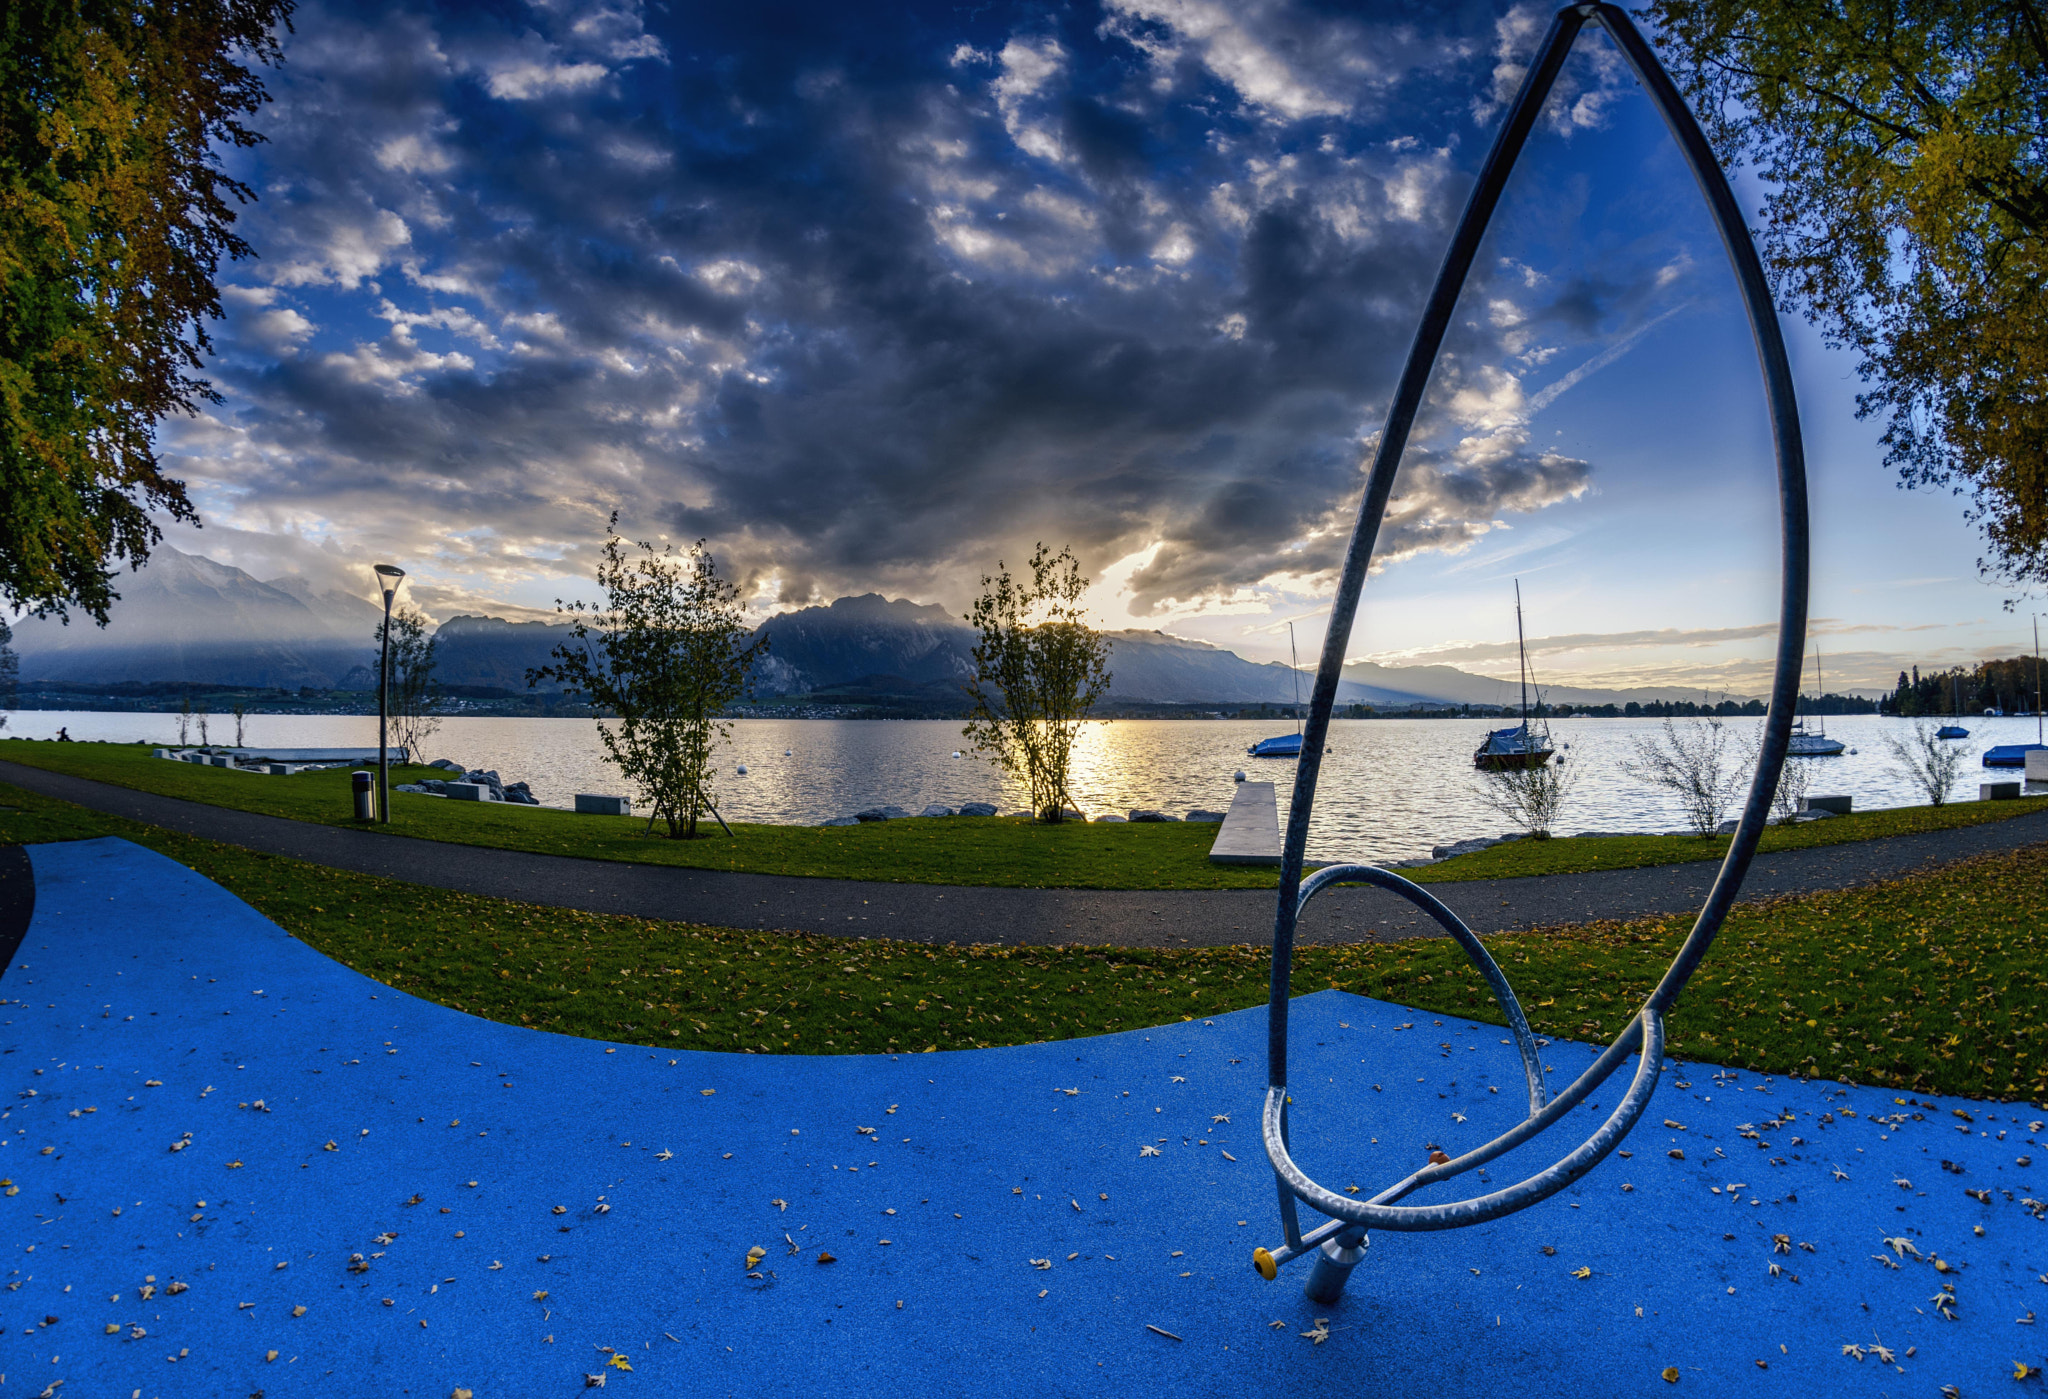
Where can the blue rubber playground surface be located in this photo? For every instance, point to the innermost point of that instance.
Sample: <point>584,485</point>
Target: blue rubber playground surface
<point>235,1167</point>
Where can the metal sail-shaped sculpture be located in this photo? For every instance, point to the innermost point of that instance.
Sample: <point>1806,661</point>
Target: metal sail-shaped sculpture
<point>1340,1242</point>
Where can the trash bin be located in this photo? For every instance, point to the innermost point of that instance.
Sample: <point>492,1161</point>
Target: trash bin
<point>365,787</point>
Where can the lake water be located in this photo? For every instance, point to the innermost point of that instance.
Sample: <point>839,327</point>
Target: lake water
<point>1391,788</point>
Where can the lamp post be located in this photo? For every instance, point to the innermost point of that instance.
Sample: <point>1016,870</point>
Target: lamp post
<point>388,579</point>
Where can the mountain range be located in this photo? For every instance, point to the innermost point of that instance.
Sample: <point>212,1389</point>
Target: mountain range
<point>185,619</point>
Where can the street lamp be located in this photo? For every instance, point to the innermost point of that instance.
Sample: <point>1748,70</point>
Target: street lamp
<point>388,579</point>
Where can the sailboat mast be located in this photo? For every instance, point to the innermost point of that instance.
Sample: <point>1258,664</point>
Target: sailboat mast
<point>1522,653</point>
<point>1295,656</point>
<point>1821,685</point>
<point>2037,678</point>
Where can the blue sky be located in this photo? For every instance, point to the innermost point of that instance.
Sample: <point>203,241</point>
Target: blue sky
<point>871,297</point>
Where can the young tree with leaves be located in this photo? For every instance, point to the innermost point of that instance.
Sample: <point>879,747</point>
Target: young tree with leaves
<point>114,218</point>
<point>1905,145</point>
<point>661,659</point>
<point>1046,667</point>
<point>415,694</point>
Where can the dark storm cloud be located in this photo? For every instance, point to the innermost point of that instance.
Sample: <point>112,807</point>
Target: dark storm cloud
<point>868,299</point>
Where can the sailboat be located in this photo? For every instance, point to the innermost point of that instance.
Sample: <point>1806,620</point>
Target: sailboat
<point>1955,708</point>
<point>2014,755</point>
<point>1520,746</point>
<point>1285,745</point>
<point>1815,744</point>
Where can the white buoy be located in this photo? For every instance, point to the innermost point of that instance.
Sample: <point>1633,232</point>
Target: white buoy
<point>956,752</point>
<point>787,754</point>
<point>1238,776</point>
<point>742,769</point>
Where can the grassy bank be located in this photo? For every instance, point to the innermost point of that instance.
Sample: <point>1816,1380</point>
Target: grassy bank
<point>1933,984</point>
<point>998,851</point>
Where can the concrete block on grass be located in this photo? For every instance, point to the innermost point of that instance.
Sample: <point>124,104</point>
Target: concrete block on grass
<point>1998,791</point>
<point>1834,806</point>
<point>596,804</point>
<point>468,792</point>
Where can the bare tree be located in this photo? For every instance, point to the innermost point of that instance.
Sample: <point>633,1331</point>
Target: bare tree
<point>240,709</point>
<point>203,714</point>
<point>415,694</point>
<point>1794,778</point>
<point>662,657</point>
<point>1931,764</point>
<point>1790,797</point>
<point>1692,762</point>
<point>1047,666</point>
<point>1531,797</point>
<point>185,719</point>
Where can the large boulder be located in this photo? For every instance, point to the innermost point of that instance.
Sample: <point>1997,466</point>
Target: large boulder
<point>841,821</point>
<point>1199,815</point>
<point>935,809</point>
<point>977,809</point>
<point>1137,815</point>
<point>882,813</point>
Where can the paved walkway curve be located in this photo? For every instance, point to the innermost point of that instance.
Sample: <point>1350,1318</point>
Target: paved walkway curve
<point>943,913</point>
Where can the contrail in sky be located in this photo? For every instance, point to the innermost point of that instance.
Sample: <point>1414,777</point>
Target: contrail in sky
<point>1549,393</point>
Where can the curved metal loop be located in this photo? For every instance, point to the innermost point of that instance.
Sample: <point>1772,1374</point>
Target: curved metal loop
<point>1646,1030</point>
<point>1429,903</point>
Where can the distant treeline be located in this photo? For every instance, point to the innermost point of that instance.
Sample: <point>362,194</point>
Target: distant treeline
<point>2009,686</point>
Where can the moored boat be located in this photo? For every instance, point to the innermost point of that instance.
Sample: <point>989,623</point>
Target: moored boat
<point>1812,745</point>
<point>1520,747</point>
<point>1816,744</point>
<point>1284,745</point>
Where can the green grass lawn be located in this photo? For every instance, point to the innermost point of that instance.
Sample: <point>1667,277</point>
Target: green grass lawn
<point>1932,984</point>
<point>991,851</point>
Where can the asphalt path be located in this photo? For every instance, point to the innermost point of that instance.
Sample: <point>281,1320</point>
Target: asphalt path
<point>954,914</point>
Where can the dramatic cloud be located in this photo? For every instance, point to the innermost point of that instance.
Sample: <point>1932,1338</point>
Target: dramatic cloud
<point>871,299</point>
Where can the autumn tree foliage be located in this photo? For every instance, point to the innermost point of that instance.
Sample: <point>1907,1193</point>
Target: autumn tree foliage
<point>114,217</point>
<point>1905,145</point>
